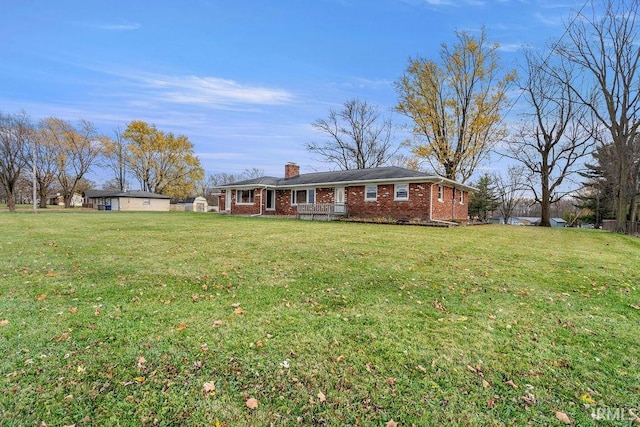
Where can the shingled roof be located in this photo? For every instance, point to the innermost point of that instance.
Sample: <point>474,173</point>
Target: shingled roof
<point>115,193</point>
<point>354,176</point>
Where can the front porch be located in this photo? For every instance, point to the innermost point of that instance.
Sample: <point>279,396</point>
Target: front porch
<point>321,211</point>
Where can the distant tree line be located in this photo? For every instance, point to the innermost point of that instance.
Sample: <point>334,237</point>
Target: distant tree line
<point>55,154</point>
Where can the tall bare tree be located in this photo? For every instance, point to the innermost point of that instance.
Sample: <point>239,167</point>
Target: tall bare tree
<point>358,137</point>
<point>16,133</point>
<point>556,133</point>
<point>76,149</point>
<point>456,105</point>
<point>43,160</point>
<point>605,44</point>
<point>115,159</point>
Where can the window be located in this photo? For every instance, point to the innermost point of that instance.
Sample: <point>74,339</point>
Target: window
<point>461,196</point>
<point>440,193</point>
<point>303,196</point>
<point>371,193</point>
<point>244,197</point>
<point>401,192</point>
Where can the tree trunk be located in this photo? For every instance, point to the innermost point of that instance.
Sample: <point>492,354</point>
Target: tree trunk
<point>11,200</point>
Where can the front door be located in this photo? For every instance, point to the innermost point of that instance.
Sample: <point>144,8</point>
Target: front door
<point>338,200</point>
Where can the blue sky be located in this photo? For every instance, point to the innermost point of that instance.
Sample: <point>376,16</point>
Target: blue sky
<point>242,79</point>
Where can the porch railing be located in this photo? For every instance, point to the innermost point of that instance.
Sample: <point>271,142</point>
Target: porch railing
<point>325,211</point>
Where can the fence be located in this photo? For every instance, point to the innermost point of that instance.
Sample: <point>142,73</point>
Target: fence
<point>633,227</point>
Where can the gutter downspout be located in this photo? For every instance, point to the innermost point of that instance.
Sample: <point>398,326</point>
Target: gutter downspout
<point>261,200</point>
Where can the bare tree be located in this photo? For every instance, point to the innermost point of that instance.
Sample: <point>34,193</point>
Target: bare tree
<point>509,189</point>
<point>456,106</point>
<point>43,161</point>
<point>606,46</point>
<point>76,149</point>
<point>555,135</point>
<point>358,137</point>
<point>16,132</point>
<point>115,159</point>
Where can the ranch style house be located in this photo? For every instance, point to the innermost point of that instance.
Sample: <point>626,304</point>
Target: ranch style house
<point>383,192</point>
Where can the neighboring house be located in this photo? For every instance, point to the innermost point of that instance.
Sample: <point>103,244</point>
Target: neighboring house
<point>528,220</point>
<point>190,204</point>
<point>58,199</point>
<point>384,192</point>
<point>110,200</point>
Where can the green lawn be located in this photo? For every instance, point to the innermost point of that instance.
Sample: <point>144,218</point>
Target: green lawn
<point>178,318</point>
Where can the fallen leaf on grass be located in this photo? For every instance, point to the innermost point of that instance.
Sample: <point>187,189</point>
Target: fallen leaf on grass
<point>51,273</point>
<point>563,417</point>
<point>485,383</point>
<point>238,310</point>
<point>637,307</point>
<point>141,361</point>
<point>511,383</point>
<point>73,310</point>
<point>340,359</point>
<point>529,399</point>
<point>421,369</point>
<point>634,416</point>
<point>209,388</point>
<point>4,322</point>
<point>217,323</point>
<point>392,423</point>
<point>42,297</point>
<point>181,326</point>
<point>252,403</point>
<point>322,397</point>
<point>438,305</point>
<point>587,399</point>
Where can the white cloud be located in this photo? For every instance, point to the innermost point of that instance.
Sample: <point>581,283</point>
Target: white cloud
<point>211,90</point>
<point>126,26</point>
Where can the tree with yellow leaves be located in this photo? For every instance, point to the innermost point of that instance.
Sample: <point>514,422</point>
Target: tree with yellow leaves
<point>456,105</point>
<point>162,162</point>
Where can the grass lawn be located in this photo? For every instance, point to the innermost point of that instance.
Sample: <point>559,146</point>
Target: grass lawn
<point>113,318</point>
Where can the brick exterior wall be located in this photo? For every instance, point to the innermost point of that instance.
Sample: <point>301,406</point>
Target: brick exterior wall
<point>423,202</point>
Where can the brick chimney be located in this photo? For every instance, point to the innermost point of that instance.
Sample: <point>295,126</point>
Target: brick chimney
<point>291,170</point>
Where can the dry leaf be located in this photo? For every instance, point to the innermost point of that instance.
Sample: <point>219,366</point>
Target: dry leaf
<point>51,273</point>
<point>529,399</point>
<point>42,297</point>
<point>340,359</point>
<point>141,361</point>
<point>392,423</point>
<point>209,388</point>
<point>322,397</point>
<point>217,323</point>
<point>252,403</point>
<point>421,369</point>
<point>563,417</point>
<point>485,383</point>
<point>139,379</point>
<point>511,383</point>
<point>438,305</point>
<point>634,416</point>
<point>391,381</point>
<point>181,326</point>
<point>238,310</point>
<point>637,307</point>
<point>73,310</point>
<point>4,322</point>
